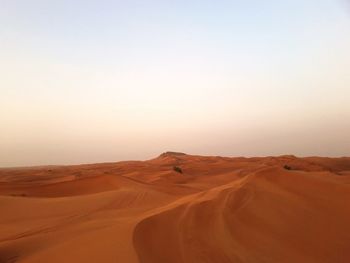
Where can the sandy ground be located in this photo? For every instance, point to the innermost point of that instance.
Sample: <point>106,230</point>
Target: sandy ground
<point>218,210</point>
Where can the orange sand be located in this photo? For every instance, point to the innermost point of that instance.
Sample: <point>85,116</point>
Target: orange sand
<point>219,210</point>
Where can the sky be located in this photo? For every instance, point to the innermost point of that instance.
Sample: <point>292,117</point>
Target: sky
<point>99,81</point>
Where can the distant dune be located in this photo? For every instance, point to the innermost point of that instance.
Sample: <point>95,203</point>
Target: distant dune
<point>209,209</point>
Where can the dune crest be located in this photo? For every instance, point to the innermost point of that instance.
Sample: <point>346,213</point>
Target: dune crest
<point>219,209</point>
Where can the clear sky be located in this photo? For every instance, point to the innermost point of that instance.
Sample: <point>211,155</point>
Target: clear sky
<point>92,81</point>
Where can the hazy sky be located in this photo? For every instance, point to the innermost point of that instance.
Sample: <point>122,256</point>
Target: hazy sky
<point>91,81</point>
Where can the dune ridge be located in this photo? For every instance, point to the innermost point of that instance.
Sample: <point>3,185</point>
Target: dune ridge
<point>220,209</point>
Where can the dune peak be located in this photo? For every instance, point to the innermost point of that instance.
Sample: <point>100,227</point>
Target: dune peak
<point>170,153</point>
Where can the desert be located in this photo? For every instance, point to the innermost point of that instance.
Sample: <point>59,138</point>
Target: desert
<point>211,209</point>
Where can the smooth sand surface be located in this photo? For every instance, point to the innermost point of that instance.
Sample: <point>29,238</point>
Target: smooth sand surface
<point>219,209</point>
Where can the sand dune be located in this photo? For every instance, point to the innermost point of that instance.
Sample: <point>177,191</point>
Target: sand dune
<point>220,209</point>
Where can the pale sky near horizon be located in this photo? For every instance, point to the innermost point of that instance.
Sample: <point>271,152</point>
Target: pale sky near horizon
<point>94,81</point>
